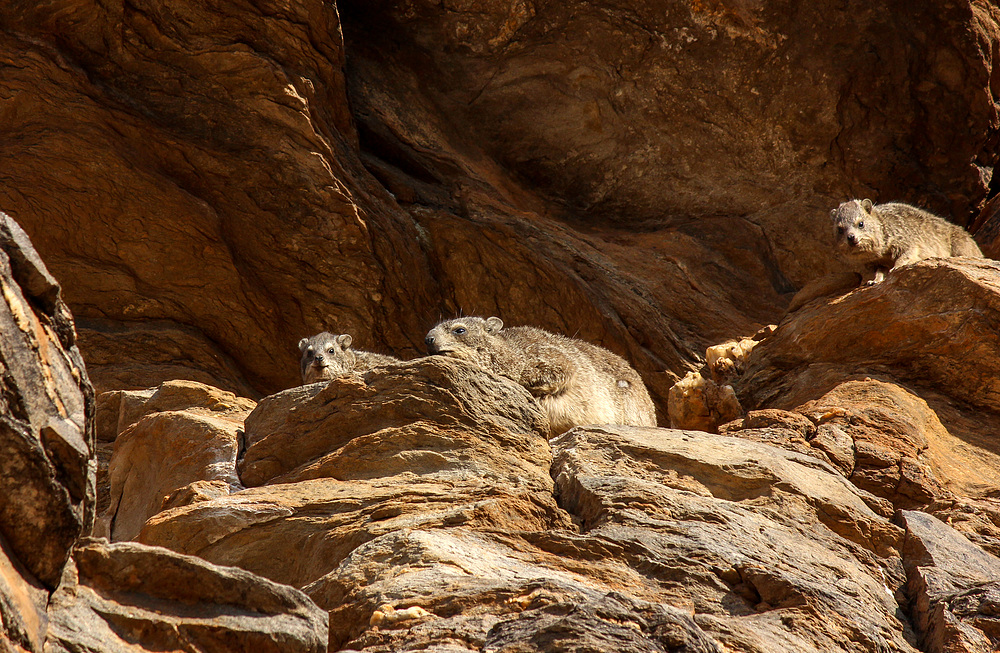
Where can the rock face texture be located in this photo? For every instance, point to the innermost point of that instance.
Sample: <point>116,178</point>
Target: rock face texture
<point>260,174</point>
<point>462,526</point>
<point>46,475</point>
<point>63,592</point>
<point>116,596</point>
<point>210,182</point>
<point>420,506</point>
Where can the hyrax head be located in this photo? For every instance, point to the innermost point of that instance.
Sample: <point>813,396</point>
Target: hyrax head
<point>325,356</point>
<point>462,337</point>
<point>857,231</point>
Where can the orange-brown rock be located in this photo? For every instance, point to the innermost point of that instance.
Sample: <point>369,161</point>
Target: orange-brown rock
<point>160,454</point>
<point>897,382</point>
<point>63,592</point>
<point>700,403</point>
<point>640,493</point>
<point>430,415</point>
<point>952,585</point>
<point>46,428</point>
<point>211,182</point>
<point>323,520</point>
<point>179,416</point>
<point>432,443</point>
<point>930,324</point>
<point>130,597</point>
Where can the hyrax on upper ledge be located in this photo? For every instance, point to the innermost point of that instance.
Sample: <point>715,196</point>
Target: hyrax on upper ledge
<point>327,356</point>
<point>883,237</point>
<point>577,383</point>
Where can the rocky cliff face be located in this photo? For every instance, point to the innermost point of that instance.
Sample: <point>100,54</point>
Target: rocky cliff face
<point>218,182</point>
<point>211,182</point>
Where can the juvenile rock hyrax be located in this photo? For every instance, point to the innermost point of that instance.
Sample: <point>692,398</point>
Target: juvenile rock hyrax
<point>883,237</point>
<point>576,382</point>
<point>326,356</point>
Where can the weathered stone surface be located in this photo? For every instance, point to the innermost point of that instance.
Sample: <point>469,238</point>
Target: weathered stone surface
<point>46,419</point>
<point>430,415</point>
<point>130,597</point>
<point>898,380</point>
<point>138,355</point>
<point>23,600</point>
<point>431,443</point>
<point>679,110</point>
<point>470,582</point>
<point>930,324</point>
<point>228,172</point>
<point>323,520</point>
<point>699,403</point>
<point>892,431</point>
<point>650,178</point>
<point>173,436</point>
<point>978,519</point>
<point>158,455</point>
<point>953,586</point>
<point>773,532</point>
<point>182,395</point>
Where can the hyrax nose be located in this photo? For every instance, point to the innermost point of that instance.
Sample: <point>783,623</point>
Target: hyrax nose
<point>852,239</point>
<point>429,340</point>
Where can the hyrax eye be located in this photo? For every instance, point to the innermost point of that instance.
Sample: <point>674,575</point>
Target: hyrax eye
<point>861,225</point>
<point>458,330</point>
<point>332,350</point>
<point>840,230</point>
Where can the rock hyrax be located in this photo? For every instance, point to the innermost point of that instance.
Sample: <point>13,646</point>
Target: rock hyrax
<point>326,356</point>
<point>576,382</point>
<point>883,237</point>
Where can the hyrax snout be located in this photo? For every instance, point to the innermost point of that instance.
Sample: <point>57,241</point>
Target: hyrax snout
<point>326,356</point>
<point>883,237</point>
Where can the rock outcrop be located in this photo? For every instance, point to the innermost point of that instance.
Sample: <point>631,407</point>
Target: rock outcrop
<point>63,592</point>
<point>211,182</point>
<point>114,597</point>
<point>897,381</point>
<point>664,170</point>
<point>47,475</point>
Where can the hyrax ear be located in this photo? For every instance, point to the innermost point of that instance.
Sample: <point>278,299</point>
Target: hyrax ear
<point>866,204</point>
<point>344,340</point>
<point>303,344</point>
<point>493,324</point>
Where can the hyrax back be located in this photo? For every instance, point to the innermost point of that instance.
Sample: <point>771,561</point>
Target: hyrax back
<point>576,382</point>
<point>327,356</point>
<point>883,237</point>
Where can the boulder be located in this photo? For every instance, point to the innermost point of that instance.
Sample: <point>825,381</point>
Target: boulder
<point>181,395</point>
<point>953,587</point>
<point>130,597</point>
<point>432,414</point>
<point>47,410</point>
<point>930,325</point>
<point>479,590</point>
<point>143,470</point>
<point>897,380</point>
<point>779,538</point>
<point>433,443</point>
<point>160,454</point>
<point>323,520</point>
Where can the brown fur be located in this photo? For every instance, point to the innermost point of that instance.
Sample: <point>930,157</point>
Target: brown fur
<point>883,237</point>
<point>576,382</point>
<point>326,356</point>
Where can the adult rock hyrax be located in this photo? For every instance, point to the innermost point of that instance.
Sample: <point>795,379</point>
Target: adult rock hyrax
<point>576,382</point>
<point>327,356</point>
<point>883,237</point>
